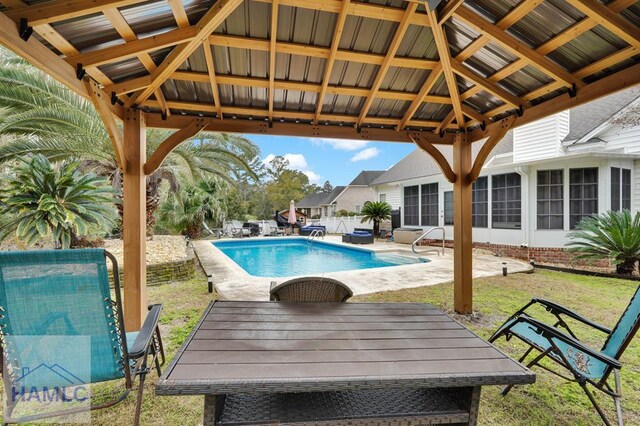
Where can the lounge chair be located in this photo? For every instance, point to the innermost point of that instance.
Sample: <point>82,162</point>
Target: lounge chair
<point>310,289</point>
<point>234,228</point>
<point>359,236</point>
<point>275,229</point>
<point>217,232</point>
<point>586,366</point>
<point>52,293</point>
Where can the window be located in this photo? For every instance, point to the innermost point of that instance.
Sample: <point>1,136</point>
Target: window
<point>429,204</point>
<point>480,203</point>
<point>411,205</point>
<point>448,208</point>
<point>358,208</point>
<point>550,199</point>
<point>583,194</point>
<point>383,198</point>
<point>620,189</point>
<point>505,204</point>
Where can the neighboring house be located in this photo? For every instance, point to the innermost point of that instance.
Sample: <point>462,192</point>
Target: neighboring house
<point>541,180</point>
<point>351,197</point>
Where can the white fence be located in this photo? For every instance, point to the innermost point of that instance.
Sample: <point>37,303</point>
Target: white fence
<point>338,225</point>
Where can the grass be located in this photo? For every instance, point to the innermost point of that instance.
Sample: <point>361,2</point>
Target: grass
<point>548,401</point>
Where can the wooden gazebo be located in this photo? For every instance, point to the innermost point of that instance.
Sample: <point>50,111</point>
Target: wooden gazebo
<point>429,72</point>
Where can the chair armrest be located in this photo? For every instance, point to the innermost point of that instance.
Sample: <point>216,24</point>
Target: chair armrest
<point>557,309</point>
<point>143,340</point>
<point>553,333</point>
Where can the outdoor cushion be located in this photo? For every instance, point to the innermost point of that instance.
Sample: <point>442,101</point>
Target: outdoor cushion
<point>363,233</point>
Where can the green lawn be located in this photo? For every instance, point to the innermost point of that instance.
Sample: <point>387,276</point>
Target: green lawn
<point>548,401</point>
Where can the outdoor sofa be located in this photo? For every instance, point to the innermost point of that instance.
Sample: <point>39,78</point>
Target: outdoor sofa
<point>307,230</point>
<point>359,236</point>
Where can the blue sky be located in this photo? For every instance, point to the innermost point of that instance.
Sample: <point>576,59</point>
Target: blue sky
<point>335,160</point>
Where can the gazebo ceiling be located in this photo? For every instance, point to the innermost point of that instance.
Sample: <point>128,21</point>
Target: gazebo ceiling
<point>384,65</point>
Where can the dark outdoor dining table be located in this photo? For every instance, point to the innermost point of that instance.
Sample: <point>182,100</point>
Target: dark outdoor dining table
<point>336,363</point>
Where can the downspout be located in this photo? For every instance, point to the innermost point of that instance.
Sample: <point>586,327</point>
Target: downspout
<point>523,171</point>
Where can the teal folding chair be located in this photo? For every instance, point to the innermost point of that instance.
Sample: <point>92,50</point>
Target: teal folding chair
<point>66,293</point>
<point>586,366</point>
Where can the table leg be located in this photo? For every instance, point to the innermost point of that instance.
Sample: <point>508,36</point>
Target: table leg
<point>212,407</point>
<point>474,406</point>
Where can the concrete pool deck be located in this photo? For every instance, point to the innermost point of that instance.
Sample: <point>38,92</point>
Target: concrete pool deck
<point>233,283</point>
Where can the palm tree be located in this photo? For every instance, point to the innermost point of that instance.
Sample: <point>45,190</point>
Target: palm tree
<point>376,212</point>
<point>185,210</point>
<point>41,116</point>
<point>612,235</point>
<point>41,200</point>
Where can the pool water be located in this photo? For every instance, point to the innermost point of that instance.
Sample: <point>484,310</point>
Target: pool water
<point>285,257</point>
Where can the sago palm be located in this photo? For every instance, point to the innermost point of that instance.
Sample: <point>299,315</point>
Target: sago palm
<point>611,235</point>
<point>376,212</point>
<point>41,200</point>
<point>41,116</point>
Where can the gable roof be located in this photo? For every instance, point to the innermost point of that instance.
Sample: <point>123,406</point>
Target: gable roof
<point>321,198</point>
<point>330,198</point>
<point>420,164</point>
<point>366,177</point>
<point>586,118</point>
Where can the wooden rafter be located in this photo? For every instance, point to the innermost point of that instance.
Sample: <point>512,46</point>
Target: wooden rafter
<point>60,10</point>
<point>180,15</point>
<point>211,69</point>
<point>517,48</point>
<point>448,10</point>
<point>448,119</point>
<point>445,59</point>
<point>473,114</point>
<point>428,84</point>
<point>126,32</point>
<point>497,134</point>
<point>272,55</point>
<point>328,68</point>
<point>386,63</point>
<point>609,20</point>
<point>101,103</point>
<point>169,144</point>
<point>210,21</point>
<point>436,154</point>
<point>487,85</point>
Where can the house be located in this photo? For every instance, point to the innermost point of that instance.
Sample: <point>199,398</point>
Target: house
<point>541,180</point>
<point>351,197</point>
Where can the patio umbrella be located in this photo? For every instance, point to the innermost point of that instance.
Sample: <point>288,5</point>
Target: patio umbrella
<point>292,214</point>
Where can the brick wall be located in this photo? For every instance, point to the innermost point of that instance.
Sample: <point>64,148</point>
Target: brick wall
<point>167,272</point>
<point>541,255</point>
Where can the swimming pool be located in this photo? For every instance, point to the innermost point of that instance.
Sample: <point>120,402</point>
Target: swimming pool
<point>286,257</point>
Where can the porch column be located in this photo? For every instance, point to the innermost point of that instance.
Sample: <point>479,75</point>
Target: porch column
<point>134,224</point>
<point>462,235</point>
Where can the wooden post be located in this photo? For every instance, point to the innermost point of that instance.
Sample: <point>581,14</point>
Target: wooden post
<point>462,234</point>
<point>134,224</point>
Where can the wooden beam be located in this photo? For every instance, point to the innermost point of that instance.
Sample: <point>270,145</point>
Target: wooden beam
<point>272,55</point>
<point>610,20</point>
<point>44,59</point>
<point>487,85</point>
<point>101,103</point>
<point>497,134</point>
<point>134,222</point>
<point>60,10</point>
<point>447,120</point>
<point>448,10</point>
<point>171,143</point>
<point>442,46</point>
<point>328,68</point>
<point>208,55</point>
<point>516,47</point>
<point>209,22</point>
<point>436,154</point>
<point>422,94</point>
<point>180,15</point>
<point>386,63</point>
<point>621,80</point>
<point>462,227</point>
<point>473,114</point>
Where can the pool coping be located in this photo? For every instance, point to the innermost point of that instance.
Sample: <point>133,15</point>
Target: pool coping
<point>232,282</point>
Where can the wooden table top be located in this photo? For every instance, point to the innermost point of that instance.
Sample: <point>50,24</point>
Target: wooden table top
<point>243,347</point>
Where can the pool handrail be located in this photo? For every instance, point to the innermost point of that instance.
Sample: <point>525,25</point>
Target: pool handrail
<point>421,237</point>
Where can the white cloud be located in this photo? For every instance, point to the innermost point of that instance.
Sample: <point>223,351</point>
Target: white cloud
<point>365,154</point>
<point>340,144</point>
<point>297,162</point>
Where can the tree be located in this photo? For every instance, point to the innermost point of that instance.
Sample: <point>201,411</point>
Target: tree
<point>376,212</point>
<point>185,210</point>
<point>327,187</point>
<point>43,116</point>
<point>612,235</point>
<point>42,201</point>
<point>290,185</point>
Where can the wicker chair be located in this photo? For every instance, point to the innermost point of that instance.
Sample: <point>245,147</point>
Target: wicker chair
<point>310,289</point>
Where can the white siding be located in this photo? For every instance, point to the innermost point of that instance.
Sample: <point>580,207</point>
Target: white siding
<point>636,187</point>
<point>618,139</point>
<point>540,139</point>
<point>392,192</point>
